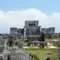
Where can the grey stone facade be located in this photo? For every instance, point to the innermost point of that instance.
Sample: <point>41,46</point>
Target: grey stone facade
<point>17,32</point>
<point>32,30</point>
<point>31,24</point>
<point>20,54</point>
<point>49,32</point>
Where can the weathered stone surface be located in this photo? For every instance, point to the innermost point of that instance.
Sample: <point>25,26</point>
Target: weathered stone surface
<point>2,45</point>
<point>13,54</point>
<point>19,55</point>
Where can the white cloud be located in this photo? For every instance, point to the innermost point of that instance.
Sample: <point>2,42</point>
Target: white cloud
<point>17,18</point>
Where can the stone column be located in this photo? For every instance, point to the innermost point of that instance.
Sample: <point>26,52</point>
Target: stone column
<point>24,32</point>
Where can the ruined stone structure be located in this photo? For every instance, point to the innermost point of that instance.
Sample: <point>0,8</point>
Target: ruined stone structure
<point>20,54</point>
<point>13,54</point>
<point>3,50</point>
<point>17,32</point>
<point>32,30</point>
<point>49,32</point>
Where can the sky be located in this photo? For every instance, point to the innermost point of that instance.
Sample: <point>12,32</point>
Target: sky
<point>13,13</point>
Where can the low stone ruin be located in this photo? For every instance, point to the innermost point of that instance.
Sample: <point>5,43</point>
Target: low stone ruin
<point>14,54</point>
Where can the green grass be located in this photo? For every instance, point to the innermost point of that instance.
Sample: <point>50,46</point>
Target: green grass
<point>50,40</point>
<point>41,53</point>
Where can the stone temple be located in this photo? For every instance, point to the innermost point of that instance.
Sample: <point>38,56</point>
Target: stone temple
<point>32,30</point>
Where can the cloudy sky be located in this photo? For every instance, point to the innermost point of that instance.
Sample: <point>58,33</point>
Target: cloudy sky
<point>13,13</point>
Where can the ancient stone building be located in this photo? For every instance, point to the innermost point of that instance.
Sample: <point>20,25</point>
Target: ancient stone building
<point>13,54</point>
<point>32,30</point>
<point>17,32</point>
<point>49,32</point>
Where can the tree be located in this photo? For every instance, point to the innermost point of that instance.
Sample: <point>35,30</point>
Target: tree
<point>58,45</point>
<point>20,44</point>
<point>59,34</point>
<point>10,41</point>
<point>42,39</point>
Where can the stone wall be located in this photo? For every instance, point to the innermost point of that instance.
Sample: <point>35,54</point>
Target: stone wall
<point>19,55</point>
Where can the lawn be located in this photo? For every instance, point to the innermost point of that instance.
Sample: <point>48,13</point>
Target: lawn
<point>50,40</point>
<point>41,53</point>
